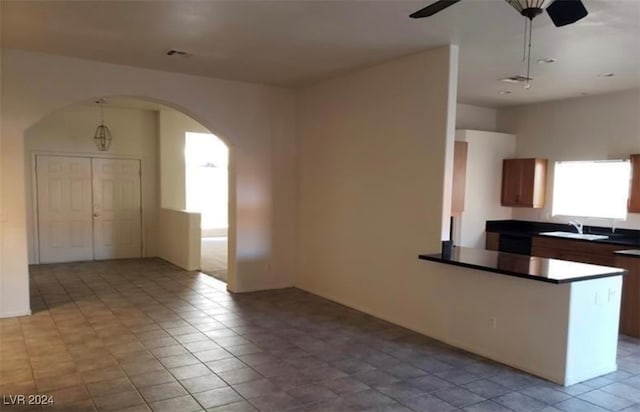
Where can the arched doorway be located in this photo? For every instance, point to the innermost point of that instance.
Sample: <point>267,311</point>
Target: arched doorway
<point>146,135</point>
<point>256,121</point>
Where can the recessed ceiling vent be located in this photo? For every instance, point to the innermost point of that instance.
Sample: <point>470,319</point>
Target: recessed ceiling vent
<point>180,53</point>
<point>516,79</point>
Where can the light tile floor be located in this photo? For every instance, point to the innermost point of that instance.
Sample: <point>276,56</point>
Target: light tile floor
<point>135,335</point>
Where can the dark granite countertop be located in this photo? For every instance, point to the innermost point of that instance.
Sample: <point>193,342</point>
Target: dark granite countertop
<point>528,267</point>
<point>629,253</point>
<point>623,237</point>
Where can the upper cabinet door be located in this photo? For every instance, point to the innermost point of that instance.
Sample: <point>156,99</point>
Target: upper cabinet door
<point>634,191</point>
<point>511,182</point>
<point>524,182</point>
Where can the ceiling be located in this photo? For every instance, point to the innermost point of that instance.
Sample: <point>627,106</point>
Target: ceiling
<point>295,43</point>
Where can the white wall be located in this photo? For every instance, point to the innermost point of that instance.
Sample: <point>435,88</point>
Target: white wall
<point>257,121</point>
<point>172,127</point>
<point>587,128</point>
<point>476,117</point>
<point>179,238</point>
<point>555,331</point>
<point>485,153</point>
<point>70,130</point>
<point>375,153</point>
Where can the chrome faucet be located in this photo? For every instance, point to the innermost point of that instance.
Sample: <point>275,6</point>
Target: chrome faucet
<point>577,224</point>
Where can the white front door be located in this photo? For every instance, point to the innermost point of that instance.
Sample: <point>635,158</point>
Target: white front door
<point>88,208</point>
<point>116,208</point>
<point>64,208</point>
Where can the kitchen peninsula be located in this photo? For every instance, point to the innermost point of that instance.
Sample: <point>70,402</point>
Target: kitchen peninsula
<point>552,318</point>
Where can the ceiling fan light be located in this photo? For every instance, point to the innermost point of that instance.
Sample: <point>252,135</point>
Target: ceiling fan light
<point>528,8</point>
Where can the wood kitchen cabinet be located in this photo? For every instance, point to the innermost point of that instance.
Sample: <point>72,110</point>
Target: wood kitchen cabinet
<point>630,305</point>
<point>634,191</point>
<point>599,254</point>
<point>459,177</point>
<point>524,182</point>
<point>492,241</point>
<point>574,250</point>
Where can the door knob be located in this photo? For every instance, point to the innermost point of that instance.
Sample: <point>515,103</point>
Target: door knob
<point>96,214</point>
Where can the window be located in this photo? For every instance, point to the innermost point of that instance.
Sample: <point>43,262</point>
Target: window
<point>592,188</point>
<point>206,159</point>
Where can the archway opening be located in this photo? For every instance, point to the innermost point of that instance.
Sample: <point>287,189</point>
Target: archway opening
<point>74,189</point>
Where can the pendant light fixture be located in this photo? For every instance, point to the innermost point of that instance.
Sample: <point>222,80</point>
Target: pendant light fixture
<point>529,9</point>
<point>102,137</point>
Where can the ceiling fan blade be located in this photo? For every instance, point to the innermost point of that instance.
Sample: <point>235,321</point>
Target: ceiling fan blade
<point>432,9</point>
<point>563,12</point>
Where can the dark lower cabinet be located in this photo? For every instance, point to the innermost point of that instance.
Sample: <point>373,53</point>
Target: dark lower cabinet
<point>574,250</point>
<point>630,309</point>
<point>492,241</point>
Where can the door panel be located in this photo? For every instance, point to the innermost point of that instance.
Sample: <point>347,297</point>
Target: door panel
<point>527,181</point>
<point>116,214</point>
<point>64,208</point>
<point>511,182</point>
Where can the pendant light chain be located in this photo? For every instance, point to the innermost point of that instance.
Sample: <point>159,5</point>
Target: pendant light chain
<point>530,9</point>
<point>524,41</point>
<point>528,85</point>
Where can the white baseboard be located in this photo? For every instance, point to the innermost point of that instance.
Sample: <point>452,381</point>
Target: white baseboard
<point>266,286</point>
<point>572,380</point>
<point>15,313</point>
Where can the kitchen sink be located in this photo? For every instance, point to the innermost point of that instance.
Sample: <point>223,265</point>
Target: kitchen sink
<point>574,235</point>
